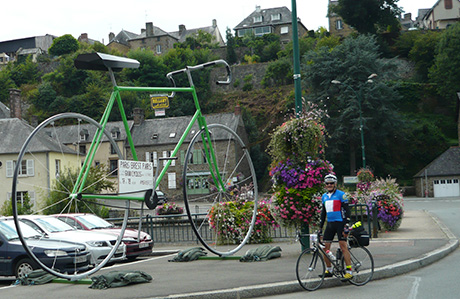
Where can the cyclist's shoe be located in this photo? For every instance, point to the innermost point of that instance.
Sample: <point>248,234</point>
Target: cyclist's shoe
<point>347,277</point>
<point>326,274</point>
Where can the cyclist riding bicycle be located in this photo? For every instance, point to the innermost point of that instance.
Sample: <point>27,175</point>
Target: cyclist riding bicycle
<point>335,209</point>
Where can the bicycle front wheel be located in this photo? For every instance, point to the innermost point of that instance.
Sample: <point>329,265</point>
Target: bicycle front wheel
<point>362,264</point>
<point>310,269</point>
<point>219,178</point>
<point>48,180</point>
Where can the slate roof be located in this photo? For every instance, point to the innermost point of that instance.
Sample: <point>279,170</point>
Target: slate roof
<point>163,127</point>
<point>65,136</point>
<point>182,35</point>
<point>4,111</point>
<point>14,132</point>
<point>123,36</point>
<point>248,22</point>
<point>156,32</point>
<point>447,164</point>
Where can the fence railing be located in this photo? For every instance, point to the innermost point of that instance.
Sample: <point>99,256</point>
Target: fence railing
<point>177,228</point>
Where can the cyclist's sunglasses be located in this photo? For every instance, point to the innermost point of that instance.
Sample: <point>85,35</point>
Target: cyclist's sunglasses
<point>331,183</point>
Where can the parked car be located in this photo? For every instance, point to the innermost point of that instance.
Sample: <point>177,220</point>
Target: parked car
<point>59,255</point>
<point>162,199</point>
<point>136,244</point>
<point>98,243</point>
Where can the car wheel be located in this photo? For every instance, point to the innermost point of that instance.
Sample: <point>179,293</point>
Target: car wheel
<point>24,267</point>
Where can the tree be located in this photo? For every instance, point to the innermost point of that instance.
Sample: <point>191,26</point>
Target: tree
<point>444,71</point>
<point>380,15</point>
<point>58,199</point>
<point>65,44</point>
<point>231,54</point>
<point>351,63</point>
<point>23,208</point>
<point>423,53</point>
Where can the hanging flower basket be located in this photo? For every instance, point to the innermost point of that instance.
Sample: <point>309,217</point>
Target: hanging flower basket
<point>297,171</point>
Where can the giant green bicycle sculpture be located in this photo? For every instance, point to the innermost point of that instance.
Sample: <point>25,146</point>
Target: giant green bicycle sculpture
<point>228,164</point>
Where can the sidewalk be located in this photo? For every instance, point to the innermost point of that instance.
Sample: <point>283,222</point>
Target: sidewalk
<point>420,240</point>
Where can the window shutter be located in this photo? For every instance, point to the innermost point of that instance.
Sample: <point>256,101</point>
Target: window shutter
<point>171,180</point>
<point>155,159</point>
<point>32,197</point>
<point>30,168</point>
<point>9,169</point>
<point>165,154</point>
<point>182,157</point>
<point>147,157</point>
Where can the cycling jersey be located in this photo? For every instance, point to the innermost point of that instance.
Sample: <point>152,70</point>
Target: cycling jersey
<point>335,206</point>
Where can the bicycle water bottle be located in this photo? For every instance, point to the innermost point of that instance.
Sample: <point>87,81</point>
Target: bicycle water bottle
<point>330,255</point>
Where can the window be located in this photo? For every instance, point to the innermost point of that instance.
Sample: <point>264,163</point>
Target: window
<point>84,135</point>
<point>339,24</point>
<point>26,169</point>
<point>172,135</point>
<point>113,167</point>
<point>158,49</point>
<point>259,31</point>
<point>57,164</point>
<point>112,150</point>
<point>448,4</point>
<point>82,149</point>
<point>167,154</point>
<point>258,19</point>
<point>171,180</point>
<point>284,30</point>
<point>276,17</point>
<point>152,157</point>
<point>115,133</point>
<point>243,32</point>
<point>21,196</point>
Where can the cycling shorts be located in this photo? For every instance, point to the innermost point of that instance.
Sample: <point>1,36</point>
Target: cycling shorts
<point>333,228</point>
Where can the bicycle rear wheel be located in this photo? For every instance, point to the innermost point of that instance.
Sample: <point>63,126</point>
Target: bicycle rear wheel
<point>233,186</point>
<point>310,269</point>
<point>48,167</point>
<point>362,264</point>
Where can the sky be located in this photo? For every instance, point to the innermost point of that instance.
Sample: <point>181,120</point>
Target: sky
<point>98,18</point>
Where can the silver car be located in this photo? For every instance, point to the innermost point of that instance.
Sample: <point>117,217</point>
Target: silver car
<point>99,244</point>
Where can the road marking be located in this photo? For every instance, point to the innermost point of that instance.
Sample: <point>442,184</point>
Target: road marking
<point>137,262</point>
<point>414,289</point>
<point>7,287</point>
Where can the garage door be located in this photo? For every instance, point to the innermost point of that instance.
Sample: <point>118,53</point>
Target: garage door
<point>446,187</point>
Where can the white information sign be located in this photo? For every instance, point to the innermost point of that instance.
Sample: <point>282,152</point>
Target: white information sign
<point>350,180</point>
<point>134,176</point>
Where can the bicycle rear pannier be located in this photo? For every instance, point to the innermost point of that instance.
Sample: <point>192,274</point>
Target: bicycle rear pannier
<point>361,237</point>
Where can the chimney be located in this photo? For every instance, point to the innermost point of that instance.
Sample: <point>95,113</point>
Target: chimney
<point>138,116</point>
<point>83,38</point>
<point>111,36</point>
<point>148,29</point>
<point>15,103</point>
<point>257,8</point>
<point>181,29</point>
<point>214,23</point>
<point>237,109</point>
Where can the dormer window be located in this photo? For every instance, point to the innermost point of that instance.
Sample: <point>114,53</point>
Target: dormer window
<point>276,17</point>
<point>172,135</point>
<point>115,132</point>
<point>84,135</point>
<point>258,19</point>
<point>154,136</point>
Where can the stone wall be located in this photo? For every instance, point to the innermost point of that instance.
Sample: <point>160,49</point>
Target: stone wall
<point>239,74</point>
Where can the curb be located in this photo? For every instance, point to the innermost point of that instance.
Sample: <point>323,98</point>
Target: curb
<point>293,286</point>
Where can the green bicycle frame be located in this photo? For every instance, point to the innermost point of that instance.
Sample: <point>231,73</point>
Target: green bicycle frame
<point>115,96</point>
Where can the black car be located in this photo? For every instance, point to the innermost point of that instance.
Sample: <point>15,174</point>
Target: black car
<point>60,255</point>
<point>162,199</point>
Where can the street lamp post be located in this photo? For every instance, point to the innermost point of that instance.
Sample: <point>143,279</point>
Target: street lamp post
<point>358,97</point>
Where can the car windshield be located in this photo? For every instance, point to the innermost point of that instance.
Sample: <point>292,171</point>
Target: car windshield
<point>94,222</point>
<point>54,225</point>
<point>8,229</point>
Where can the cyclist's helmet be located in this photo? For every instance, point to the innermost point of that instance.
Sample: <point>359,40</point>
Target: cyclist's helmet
<point>330,178</point>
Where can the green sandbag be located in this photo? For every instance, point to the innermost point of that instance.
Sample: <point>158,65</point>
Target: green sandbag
<point>262,253</point>
<point>188,255</point>
<point>117,279</point>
